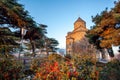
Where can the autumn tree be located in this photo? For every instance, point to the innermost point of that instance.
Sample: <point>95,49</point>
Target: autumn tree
<point>104,33</point>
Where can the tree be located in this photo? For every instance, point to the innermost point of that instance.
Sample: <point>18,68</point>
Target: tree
<point>12,14</point>
<point>8,15</point>
<point>10,68</point>
<point>50,45</point>
<point>34,35</point>
<point>7,41</point>
<point>104,34</point>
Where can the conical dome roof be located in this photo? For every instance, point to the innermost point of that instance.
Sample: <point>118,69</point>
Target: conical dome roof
<point>79,20</point>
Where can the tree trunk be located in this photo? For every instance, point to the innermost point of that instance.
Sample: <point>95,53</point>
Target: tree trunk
<point>33,47</point>
<point>103,54</point>
<point>47,52</point>
<point>5,51</point>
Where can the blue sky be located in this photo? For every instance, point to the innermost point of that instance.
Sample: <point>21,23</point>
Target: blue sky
<point>60,15</point>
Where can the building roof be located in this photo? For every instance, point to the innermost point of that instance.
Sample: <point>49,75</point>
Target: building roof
<point>79,20</point>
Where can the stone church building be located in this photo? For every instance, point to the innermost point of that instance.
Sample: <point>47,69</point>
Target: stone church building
<point>76,41</point>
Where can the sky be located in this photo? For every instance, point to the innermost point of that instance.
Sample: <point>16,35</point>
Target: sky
<point>60,15</point>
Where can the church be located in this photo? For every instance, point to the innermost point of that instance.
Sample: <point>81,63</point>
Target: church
<point>76,40</point>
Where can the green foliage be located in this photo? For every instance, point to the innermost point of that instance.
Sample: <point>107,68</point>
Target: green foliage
<point>10,68</point>
<point>50,45</point>
<point>111,71</point>
<point>55,56</point>
<point>94,39</point>
<point>13,14</point>
<point>7,41</point>
<point>36,35</point>
<point>85,64</point>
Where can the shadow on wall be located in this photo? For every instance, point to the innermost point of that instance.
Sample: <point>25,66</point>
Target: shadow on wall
<point>81,46</point>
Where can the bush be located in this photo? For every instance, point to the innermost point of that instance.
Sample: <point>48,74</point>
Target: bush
<point>10,69</point>
<point>56,67</point>
<point>111,71</point>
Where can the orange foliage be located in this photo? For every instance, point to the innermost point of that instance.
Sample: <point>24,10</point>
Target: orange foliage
<point>49,70</point>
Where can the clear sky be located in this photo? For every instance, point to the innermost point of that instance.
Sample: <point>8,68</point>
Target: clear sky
<point>60,15</point>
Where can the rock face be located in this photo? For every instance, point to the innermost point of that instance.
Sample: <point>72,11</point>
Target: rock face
<point>76,40</point>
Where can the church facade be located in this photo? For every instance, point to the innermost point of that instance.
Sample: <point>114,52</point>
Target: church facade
<point>76,40</point>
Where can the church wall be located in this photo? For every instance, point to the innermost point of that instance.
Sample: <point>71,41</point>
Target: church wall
<point>78,24</point>
<point>73,38</point>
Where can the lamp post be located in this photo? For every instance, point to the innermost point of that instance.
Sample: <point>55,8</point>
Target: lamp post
<point>23,32</point>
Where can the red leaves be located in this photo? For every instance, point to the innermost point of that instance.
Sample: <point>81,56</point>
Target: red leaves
<point>54,67</point>
<point>56,71</point>
<point>51,70</point>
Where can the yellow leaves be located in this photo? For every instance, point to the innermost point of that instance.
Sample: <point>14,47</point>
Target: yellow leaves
<point>95,31</point>
<point>108,22</point>
<point>117,17</point>
<point>105,43</point>
<point>105,28</point>
<point>107,32</point>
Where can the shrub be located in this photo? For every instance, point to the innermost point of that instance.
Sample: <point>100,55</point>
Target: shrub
<point>111,71</point>
<point>73,67</point>
<point>10,69</point>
